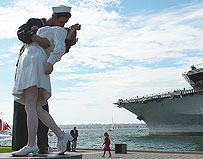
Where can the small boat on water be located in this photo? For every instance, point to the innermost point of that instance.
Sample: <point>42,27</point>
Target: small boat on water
<point>3,126</point>
<point>113,126</point>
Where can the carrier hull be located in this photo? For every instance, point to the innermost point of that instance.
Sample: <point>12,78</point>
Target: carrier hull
<point>177,114</point>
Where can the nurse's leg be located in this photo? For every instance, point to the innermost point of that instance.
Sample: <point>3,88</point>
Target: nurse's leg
<point>46,118</point>
<point>31,97</point>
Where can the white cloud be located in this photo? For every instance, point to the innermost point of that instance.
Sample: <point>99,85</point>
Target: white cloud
<point>97,96</point>
<point>106,33</point>
<point>6,109</point>
<point>107,42</point>
<point>148,38</point>
<point>9,56</point>
<point>15,48</point>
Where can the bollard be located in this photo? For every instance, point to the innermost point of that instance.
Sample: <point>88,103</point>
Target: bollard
<point>121,148</point>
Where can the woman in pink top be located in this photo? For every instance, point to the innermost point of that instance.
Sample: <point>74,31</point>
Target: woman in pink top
<point>106,144</point>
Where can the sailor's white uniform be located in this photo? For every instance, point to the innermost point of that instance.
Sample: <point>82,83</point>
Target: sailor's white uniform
<point>31,66</point>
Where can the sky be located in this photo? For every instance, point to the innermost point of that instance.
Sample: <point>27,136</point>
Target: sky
<point>126,48</point>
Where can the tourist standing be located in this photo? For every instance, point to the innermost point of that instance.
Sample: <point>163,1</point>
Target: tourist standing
<point>74,134</point>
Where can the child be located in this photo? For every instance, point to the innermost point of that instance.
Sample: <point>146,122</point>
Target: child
<point>106,144</point>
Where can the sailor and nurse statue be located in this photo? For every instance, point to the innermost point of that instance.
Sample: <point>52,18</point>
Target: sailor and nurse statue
<point>45,42</point>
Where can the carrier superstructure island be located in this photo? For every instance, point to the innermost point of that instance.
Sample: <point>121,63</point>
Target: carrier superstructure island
<point>178,112</point>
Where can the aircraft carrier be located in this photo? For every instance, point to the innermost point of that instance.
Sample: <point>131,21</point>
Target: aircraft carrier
<point>178,112</point>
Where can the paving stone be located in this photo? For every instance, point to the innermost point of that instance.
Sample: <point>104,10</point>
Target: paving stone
<point>142,155</point>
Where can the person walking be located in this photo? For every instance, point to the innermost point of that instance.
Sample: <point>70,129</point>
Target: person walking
<point>106,144</point>
<point>74,134</point>
<point>27,34</point>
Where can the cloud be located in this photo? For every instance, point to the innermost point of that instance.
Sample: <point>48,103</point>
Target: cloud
<point>116,56</point>
<point>9,56</point>
<point>6,111</point>
<point>143,38</point>
<point>15,48</point>
<point>96,97</point>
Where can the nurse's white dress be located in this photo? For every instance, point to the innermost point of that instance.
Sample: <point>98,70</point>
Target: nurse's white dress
<point>31,66</point>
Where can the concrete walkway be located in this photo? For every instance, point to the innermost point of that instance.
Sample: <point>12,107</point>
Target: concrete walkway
<point>143,155</point>
<point>97,153</point>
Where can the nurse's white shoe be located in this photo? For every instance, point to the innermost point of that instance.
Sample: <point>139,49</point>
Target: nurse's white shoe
<point>62,145</point>
<point>26,150</point>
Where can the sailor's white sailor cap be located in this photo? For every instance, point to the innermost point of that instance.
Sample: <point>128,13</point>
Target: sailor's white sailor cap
<point>61,9</point>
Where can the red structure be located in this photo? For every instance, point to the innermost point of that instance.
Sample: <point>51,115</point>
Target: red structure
<point>4,125</point>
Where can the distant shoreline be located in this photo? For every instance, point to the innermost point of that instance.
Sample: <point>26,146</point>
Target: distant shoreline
<point>102,126</point>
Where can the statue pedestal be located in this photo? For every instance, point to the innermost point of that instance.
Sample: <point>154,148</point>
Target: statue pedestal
<point>45,156</point>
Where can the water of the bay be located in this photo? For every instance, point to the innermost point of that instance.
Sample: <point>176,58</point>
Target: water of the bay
<point>135,138</point>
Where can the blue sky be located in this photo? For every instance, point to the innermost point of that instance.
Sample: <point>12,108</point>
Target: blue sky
<point>126,48</point>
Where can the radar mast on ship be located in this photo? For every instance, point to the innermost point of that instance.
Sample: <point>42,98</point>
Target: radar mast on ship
<point>195,76</point>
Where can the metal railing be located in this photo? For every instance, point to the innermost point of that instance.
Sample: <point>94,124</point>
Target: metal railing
<point>199,65</point>
<point>151,97</point>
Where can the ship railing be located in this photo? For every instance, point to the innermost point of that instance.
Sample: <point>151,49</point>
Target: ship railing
<point>151,97</point>
<point>199,65</point>
<point>194,67</point>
